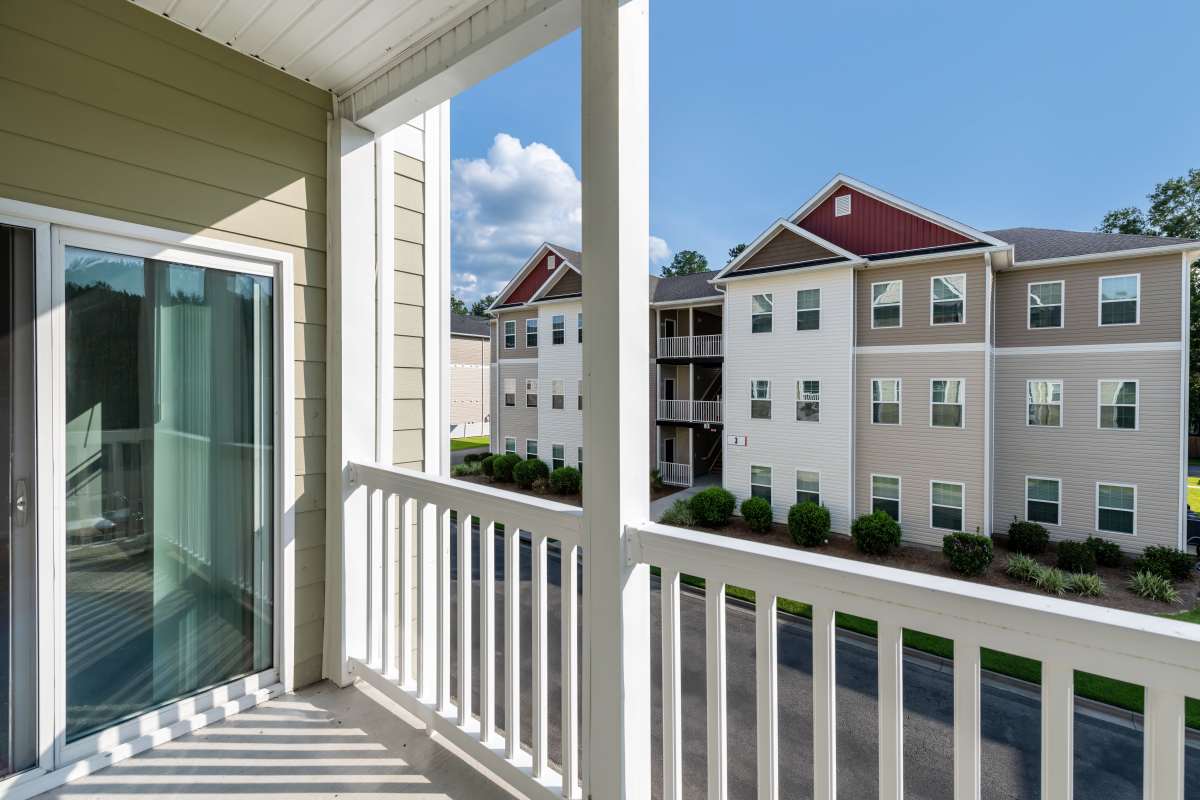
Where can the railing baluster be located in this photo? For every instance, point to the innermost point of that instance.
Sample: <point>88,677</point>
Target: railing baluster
<point>487,628</point>
<point>569,603</point>
<point>1162,770</point>
<point>891,711</point>
<point>540,657</point>
<point>373,579</point>
<point>512,641</point>
<point>427,602</point>
<point>464,618</point>
<point>1058,738</point>
<point>408,609</point>
<point>443,593</point>
<point>766,667</point>
<point>966,720</point>
<point>824,699</point>
<point>671,699</point>
<point>388,557</point>
<point>714,601</point>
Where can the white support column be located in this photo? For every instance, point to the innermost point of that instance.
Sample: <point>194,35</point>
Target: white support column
<point>437,289</point>
<point>615,156</point>
<point>352,413</point>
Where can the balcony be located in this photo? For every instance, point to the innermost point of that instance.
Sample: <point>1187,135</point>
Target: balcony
<point>708,346</point>
<point>674,474</point>
<point>690,411</point>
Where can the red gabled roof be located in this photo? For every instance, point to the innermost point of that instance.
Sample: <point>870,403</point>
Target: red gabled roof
<point>533,281</point>
<point>873,226</point>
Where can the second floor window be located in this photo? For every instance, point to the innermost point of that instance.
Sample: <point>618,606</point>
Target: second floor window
<point>1046,304</point>
<point>946,403</point>
<point>808,309</point>
<point>579,327</point>
<point>886,298</point>
<point>947,301</point>
<point>556,394</point>
<point>808,401</point>
<point>760,399</point>
<point>531,333</point>
<point>558,329</point>
<point>1119,298</point>
<point>1118,405</point>
<point>531,392</point>
<point>1044,403</point>
<point>510,334</point>
<point>762,308</point>
<point>885,401</point>
<point>510,392</point>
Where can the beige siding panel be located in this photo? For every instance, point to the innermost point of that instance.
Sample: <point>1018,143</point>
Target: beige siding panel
<point>409,257</point>
<point>310,417</point>
<point>786,248</point>
<point>409,287</point>
<point>310,342</point>
<point>310,455</point>
<point>310,305</point>
<point>409,351</point>
<point>1079,454</point>
<point>411,443</point>
<point>310,493</point>
<point>310,529</point>
<point>1161,303</point>
<point>410,194</point>
<point>409,167</point>
<point>310,379</point>
<point>409,320</point>
<point>519,421</point>
<point>409,383</point>
<point>520,351</point>
<point>407,414</point>
<point>916,328</point>
<point>570,283</point>
<point>308,639</point>
<point>410,225</point>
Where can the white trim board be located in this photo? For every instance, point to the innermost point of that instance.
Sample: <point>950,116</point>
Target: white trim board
<point>1084,349</point>
<point>887,349</point>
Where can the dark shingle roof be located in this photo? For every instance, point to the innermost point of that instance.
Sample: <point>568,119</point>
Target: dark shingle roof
<point>466,325</point>
<point>1035,244</point>
<point>684,287</point>
<point>574,256</point>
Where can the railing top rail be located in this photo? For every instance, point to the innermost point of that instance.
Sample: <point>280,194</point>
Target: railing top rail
<point>1134,647</point>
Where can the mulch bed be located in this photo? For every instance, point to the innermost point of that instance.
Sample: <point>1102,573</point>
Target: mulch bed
<point>569,499</point>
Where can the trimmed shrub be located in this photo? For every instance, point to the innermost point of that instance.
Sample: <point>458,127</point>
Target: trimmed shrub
<point>968,553</point>
<point>757,513</point>
<point>1051,580</point>
<point>464,470</point>
<point>1023,568</point>
<point>713,507</point>
<point>679,514</point>
<point>471,458</point>
<point>541,485</point>
<point>502,470</point>
<point>1075,557</point>
<point>876,534</point>
<point>1108,554</point>
<point>1085,584</point>
<point>1027,537</point>
<point>529,471</point>
<point>488,465</point>
<point>1153,586</point>
<point>565,480</point>
<point>1172,564</point>
<point>656,481</point>
<point>808,523</point>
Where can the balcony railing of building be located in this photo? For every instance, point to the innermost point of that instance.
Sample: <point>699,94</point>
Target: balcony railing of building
<point>690,410</point>
<point>404,646</point>
<point>674,474</point>
<point>705,346</point>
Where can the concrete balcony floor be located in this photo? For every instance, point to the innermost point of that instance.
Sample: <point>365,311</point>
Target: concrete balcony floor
<point>322,742</point>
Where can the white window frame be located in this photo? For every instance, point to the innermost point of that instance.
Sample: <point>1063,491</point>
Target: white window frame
<point>770,315</point>
<point>899,304</point>
<point>510,324</point>
<point>1058,522</point>
<point>962,417</point>
<point>558,329</point>
<point>843,205</point>
<point>933,278</point>
<point>770,486</point>
<point>1062,305</point>
<point>767,399</point>
<point>800,399</point>
<point>560,396</point>
<point>1062,410</point>
<point>1100,301</point>
<point>820,299</point>
<point>533,394</point>
<point>816,472</point>
<point>579,328</point>
<point>531,329</point>
<point>510,444</point>
<point>506,392</point>
<point>962,510</point>
<point>899,495</point>
<point>1137,406</point>
<point>558,448</point>
<point>1096,520</point>
<point>899,402</point>
<point>528,455</point>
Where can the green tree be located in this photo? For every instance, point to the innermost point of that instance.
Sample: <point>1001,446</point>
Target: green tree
<point>457,306</point>
<point>736,251</point>
<point>480,306</point>
<point>685,262</point>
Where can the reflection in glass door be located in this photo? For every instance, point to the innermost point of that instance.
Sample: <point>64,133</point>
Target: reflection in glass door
<point>170,482</point>
<point>17,540</point>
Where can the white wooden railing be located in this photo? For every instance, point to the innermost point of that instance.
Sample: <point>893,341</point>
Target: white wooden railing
<point>674,474</point>
<point>674,346</point>
<point>706,410</point>
<point>406,643</point>
<point>690,410</point>
<point>706,346</point>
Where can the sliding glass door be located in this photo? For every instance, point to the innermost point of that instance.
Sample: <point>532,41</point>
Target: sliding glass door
<point>170,481</point>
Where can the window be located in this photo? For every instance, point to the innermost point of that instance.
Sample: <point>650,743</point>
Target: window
<point>886,298</point>
<point>531,449</point>
<point>1116,508</point>
<point>510,392</point>
<point>558,329</point>
<point>762,307</point>
<point>579,458</point>
<point>841,205</point>
<point>808,487</point>
<point>808,310</point>
<point>579,395</point>
<point>510,334</point>
<point>946,403</point>
<point>579,327</point>
<point>1046,304</point>
<point>556,394</point>
<point>760,399</point>
<point>1041,500</point>
<point>510,444</point>
<point>760,482</point>
<point>947,305</point>
<point>531,332</point>
<point>531,392</point>
<point>885,495</point>
<point>946,505</point>
<point>885,401</point>
<point>1119,300</point>
<point>550,262</point>
<point>557,456</point>
<point>1044,402</point>
<point>1118,405</point>
<point>808,401</point>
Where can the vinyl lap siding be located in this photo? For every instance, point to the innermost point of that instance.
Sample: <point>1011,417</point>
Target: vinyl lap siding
<point>559,362</point>
<point>408,448</point>
<point>119,113</point>
<point>916,328</point>
<point>469,390</point>
<point>519,421</point>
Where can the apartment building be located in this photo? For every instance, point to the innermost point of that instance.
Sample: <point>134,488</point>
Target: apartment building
<point>871,354</point>
<point>470,379</point>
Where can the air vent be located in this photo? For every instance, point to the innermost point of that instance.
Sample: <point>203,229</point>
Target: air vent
<point>841,206</point>
<point>550,262</point>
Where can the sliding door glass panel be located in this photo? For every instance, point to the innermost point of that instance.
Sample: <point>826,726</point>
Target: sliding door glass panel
<point>170,482</point>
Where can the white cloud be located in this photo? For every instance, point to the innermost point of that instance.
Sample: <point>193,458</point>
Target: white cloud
<point>506,204</point>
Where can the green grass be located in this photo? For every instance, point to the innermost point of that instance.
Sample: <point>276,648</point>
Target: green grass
<point>467,442</point>
<point>1194,494</point>
<point>1117,693</point>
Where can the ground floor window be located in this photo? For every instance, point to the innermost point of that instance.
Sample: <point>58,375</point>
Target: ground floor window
<point>1042,503</point>
<point>885,495</point>
<point>808,487</point>
<point>531,449</point>
<point>946,505</point>
<point>1116,508</point>
<point>760,482</point>
<point>557,456</point>
<point>510,444</point>
<point>579,458</point>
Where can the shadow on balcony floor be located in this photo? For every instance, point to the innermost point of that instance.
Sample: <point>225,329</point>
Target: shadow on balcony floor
<point>321,742</point>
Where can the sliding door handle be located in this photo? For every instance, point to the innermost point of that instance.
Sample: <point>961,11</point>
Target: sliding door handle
<point>20,511</point>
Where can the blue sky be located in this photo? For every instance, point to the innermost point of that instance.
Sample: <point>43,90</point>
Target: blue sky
<point>1001,114</point>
